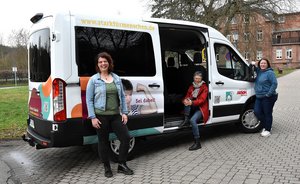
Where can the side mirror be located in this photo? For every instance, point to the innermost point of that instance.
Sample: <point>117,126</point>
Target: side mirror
<point>252,73</point>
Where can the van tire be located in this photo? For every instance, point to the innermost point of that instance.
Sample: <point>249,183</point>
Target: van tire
<point>248,121</point>
<point>114,149</point>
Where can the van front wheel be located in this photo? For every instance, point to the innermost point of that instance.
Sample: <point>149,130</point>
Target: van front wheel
<point>115,145</point>
<point>248,121</point>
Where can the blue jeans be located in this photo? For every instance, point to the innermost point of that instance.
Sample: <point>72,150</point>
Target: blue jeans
<point>196,117</point>
<point>263,110</point>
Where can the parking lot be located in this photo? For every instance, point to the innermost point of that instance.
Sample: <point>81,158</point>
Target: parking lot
<point>227,155</point>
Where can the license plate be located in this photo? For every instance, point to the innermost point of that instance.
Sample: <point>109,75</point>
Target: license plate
<point>31,123</point>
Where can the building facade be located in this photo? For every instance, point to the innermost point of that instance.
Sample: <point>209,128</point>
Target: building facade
<point>276,38</point>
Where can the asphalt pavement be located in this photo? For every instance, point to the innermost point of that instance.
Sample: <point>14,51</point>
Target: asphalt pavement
<point>226,156</point>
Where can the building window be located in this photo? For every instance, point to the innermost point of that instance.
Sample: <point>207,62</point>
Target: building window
<point>278,53</point>
<point>235,36</point>
<point>288,53</point>
<point>278,38</point>
<point>259,35</point>
<point>246,55</point>
<point>281,19</point>
<point>246,37</point>
<point>228,37</point>
<point>259,54</point>
<point>246,18</point>
<point>233,20</point>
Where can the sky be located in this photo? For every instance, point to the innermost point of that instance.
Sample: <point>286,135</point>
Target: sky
<point>16,14</point>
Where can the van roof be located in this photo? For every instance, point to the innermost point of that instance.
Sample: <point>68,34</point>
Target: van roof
<point>213,33</point>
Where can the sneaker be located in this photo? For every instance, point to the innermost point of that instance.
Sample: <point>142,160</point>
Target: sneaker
<point>262,132</point>
<point>265,133</point>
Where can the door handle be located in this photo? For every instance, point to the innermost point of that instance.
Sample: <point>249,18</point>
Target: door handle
<point>220,83</point>
<point>154,85</point>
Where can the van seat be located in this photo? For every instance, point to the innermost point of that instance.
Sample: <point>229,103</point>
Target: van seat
<point>172,76</point>
<point>197,65</point>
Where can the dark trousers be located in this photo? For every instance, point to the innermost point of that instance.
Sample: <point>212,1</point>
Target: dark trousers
<point>114,123</point>
<point>263,110</point>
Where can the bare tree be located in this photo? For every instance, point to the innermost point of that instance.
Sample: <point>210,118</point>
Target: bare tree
<point>210,11</point>
<point>1,49</point>
<point>19,38</point>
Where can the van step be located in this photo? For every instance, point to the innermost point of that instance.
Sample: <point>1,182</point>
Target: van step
<point>173,123</point>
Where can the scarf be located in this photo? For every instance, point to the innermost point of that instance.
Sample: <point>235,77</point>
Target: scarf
<point>196,89</point>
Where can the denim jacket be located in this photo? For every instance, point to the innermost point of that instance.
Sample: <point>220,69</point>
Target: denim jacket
<point>96,94</point>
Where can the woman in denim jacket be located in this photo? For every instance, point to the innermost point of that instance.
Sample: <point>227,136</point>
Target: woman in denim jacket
<point>266,96</point>
<point>108,111</point>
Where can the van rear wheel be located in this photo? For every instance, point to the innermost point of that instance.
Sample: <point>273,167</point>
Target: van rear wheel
<point>115,146</point>
<point>248,121</point>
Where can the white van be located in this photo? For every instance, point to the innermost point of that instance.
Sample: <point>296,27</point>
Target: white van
<point>155,57</point>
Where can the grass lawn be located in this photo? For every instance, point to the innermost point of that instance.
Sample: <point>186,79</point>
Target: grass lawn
<point>285,71</point>
<point>13,112</point>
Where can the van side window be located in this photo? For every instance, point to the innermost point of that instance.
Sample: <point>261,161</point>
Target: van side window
<point>131,51</point>
<point>229,64</point>
<point>39,56</point>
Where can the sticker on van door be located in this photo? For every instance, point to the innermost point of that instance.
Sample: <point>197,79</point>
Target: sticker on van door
<point>229,95</point>
<point>217,99</point>
<point>242,92</point>
<point>144,103</point>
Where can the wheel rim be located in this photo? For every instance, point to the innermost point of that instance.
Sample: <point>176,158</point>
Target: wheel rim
<point>115,145</point>
<point>249,120</point>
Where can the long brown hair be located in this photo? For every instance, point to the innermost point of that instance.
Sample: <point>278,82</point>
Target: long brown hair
<point>268,62</point>
<point>109,60</point>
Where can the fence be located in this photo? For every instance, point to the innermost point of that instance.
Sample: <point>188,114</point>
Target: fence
<point>7,77</point>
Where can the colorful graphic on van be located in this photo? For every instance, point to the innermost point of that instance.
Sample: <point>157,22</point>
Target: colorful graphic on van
<point>35,104</point>
<point>39,102</point>
<point>76,111</point>
<point>229,95</point>
<point>45,90</point>
<point>242,92</point>
<point>80,110</point>
<point>145,104</point>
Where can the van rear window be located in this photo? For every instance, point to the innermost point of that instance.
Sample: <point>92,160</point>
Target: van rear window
<point>131,51</point>
<point>39,56</point>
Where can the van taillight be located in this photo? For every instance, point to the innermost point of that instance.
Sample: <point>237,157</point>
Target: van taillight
<point>59,100</point>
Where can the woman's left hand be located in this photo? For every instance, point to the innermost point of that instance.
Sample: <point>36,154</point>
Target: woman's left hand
<point>124,119</point>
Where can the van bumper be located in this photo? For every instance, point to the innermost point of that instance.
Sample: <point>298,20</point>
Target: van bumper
<point>45,134</point>
<point>36,140</point>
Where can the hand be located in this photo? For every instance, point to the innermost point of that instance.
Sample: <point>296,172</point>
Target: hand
<point>187,102</point>
<point>124,119</point>
<point>96,123</point>
<point>190,102</point>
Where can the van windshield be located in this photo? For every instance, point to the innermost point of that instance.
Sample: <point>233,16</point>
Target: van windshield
<point>39,56</point>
